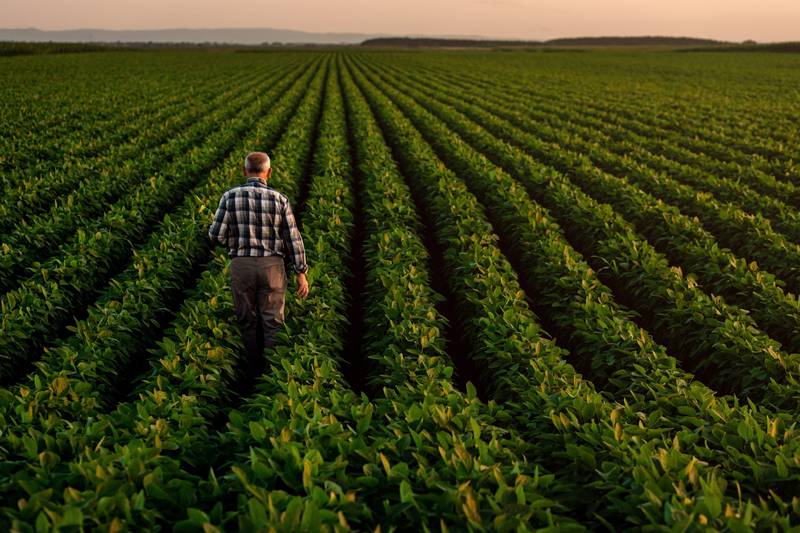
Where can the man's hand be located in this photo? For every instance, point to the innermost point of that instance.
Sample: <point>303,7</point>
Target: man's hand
<point>302,286</point>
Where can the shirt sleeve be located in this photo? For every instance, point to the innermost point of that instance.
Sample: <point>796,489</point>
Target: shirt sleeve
<point>218,231</point>
<point>296,251</point>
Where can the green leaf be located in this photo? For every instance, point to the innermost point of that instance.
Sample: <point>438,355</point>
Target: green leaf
<point>139,501</point>
<point>406,494</point>
<point>197,516</point>
<point>257,431</point>
<point>73,516</point>
<point>472,392</point>
<point>476,428</point>
<point>42,523</point>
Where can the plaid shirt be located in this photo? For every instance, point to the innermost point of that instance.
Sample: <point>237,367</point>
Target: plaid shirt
<point>254,220</point>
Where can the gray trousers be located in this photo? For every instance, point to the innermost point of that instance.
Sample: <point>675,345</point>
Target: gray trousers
<point>259,292</point>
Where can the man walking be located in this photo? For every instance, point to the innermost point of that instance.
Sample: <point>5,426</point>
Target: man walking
<point>256,223</point>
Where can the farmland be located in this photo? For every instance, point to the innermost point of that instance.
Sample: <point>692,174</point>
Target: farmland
<point>548,290</point>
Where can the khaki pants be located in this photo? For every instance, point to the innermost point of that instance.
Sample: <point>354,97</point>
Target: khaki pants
<point>259,291</point>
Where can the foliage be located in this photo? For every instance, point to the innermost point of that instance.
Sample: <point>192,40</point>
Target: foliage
<point>616,270</point>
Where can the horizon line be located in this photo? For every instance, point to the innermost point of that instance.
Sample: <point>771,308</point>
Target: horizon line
<point>393,35</point>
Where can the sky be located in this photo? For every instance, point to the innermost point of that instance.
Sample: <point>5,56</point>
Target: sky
<point>735,20</point>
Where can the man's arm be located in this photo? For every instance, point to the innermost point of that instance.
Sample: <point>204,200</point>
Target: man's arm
<point>218,231</point>
<point>295,249</point>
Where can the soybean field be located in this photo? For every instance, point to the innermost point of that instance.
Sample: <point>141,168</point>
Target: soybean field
<point>549,290</point>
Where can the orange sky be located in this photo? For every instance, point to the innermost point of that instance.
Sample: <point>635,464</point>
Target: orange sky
<point>762,20</point>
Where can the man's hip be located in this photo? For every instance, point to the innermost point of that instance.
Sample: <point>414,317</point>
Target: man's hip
<point>259,288</point>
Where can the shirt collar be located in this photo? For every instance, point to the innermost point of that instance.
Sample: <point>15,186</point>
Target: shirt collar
<point>254,180</point>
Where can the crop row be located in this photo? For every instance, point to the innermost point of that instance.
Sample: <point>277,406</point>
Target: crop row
<point>662,155</point>
<point>571,326</point>
<point>734,148</point>
<point>682,239</point>
<point>306,398</point>
<point>600,439</point>
<point>402,458</point>
<point>418,373</point>
<point>41,136</point>
<point>32,313</point>
<point>88,112</point>
<point>504,333</point>
<point>768,148</point>
<point>687,142</point>
<point>135,299</point>
<point>120,165</point>
<point>139,296</point>
<point>33,240</point>
<point>149,448</point>
<point>730,183</point>
<point>463,213</point>
<point>30,190</point>
<point>702,329</point>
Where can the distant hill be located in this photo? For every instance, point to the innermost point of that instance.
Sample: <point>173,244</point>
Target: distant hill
<point>411,42</point>
<point>258,36</point>
<point>249,36</point>
<point>430,42</point>
<point>632,41</point>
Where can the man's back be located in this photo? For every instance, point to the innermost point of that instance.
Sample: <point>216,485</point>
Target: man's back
<point>254,220</point>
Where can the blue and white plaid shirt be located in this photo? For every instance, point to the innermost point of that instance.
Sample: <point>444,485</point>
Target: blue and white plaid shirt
<point>254,220</point>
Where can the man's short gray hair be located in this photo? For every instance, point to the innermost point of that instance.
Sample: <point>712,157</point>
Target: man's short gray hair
<point>256,162</point>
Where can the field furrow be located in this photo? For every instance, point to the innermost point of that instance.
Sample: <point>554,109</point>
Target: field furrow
<point>37,311</point>
<point>693,125</point>
<point>709,329</point>
<point>39,237</point>
<point>548,291</point>
<point>557,123</point>
<point>725,425</point>
<point>88,383</point>
<point>124,160</point>
<point>376,474</point>
<point>682,239</point>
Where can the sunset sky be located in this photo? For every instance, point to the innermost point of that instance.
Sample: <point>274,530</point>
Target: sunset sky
<point>764,20</point>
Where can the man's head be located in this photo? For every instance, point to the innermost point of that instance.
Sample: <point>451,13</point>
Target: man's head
<point>256,165</point>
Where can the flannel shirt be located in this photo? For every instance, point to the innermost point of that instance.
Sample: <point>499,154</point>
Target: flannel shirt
<point>254,220</point>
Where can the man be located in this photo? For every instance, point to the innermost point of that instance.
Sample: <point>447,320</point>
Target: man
<point>256,223</point>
